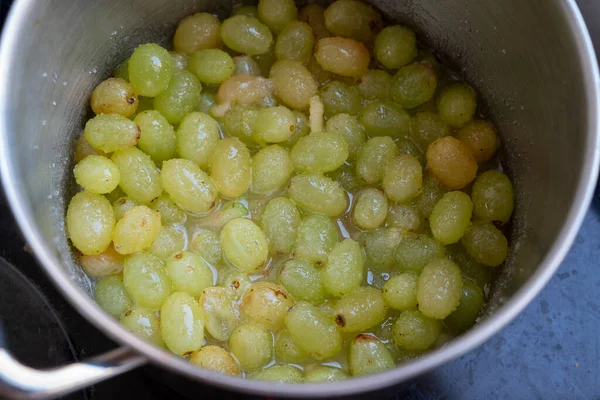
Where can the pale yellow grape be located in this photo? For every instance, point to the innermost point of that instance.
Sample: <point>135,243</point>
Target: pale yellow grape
<point>277,13</point>
<point>235,281</point>
<point>314,15</point>
<point>400,291</point>
<point>345,268</point>
<point>280,374</point>
<point>319,152</point>
<point>179,61</point>
<point>211,66</point>
<point>405,217</point>
<point>241,89</point>
<point>157,138</point>
<point>318,194</point>
<point>324,373</point>
<point>252,345</point>
<point>111,132</point>
<point>216,221</point>
<point>146,280</point>
<point>374,157</point>
<point>198,31</point>
<point>84,149</point>
<point>274,125</point>
<point>385,118</point>
<point>379,246</point>
<point>197,136</point>
<point>182,324</point>
<point>144,323</point>
<point>295,42</point>
<point>140,179</point>
<point>97,174</point>
<point>370,209</point>
<point>361,309</point>
<point>416,251</point>
<point>439,289</point>
<point>280,222</point>
<point>485,243</point>
<point>288,351</point>
<point>266,303</point>
<point>114,96</point>
<point>317,235</point>
<point>351,130</point>
<point>452,162</point>
<point>111,296</point>
<point>90,222</point>
<point>293,83</point>
<point>353,19</point>
<point>414,331</point>
<point>481,138</point>
<point>313,331</point>
<point>150,69</point>
<point>170,213</point>
<point>343,56</point>
<point>136,231</point>
<point>170,240</point>
<point>230,167</point>
<point>403,178</point>
<point>220,312</point>
<point>122,205</point>
<point>493,197</point>
<point>451,217</point>
<point>303,281</point>
<point>271,169</point>
<point>180,97</point>
<point>375,85</point>
<point>367,355</point>
<point>246,65</point>
<point>106,263</point>
<point>189,273</point>
<point>244,245</point>
<point>189,187</point>
<point>217,359</point>
<point>246,35</point>
<point>207,244</point>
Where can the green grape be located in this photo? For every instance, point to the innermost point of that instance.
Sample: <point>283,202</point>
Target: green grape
<point>136,230</point>
<point>140,179</point>
<point>342,56</point>
<point>114,96</point>
<point>303,281</point>
<point>246,35</point>
<point>347,177</point>
<point>426,127</point>
<point>274,125</point>
<point>302,129</point>
<point>145,104</point>
<point>220,312</point>
<point>230,167</point>
<point>197,137</point>
<point>431,192</point>
<point>370,209</point>
<point>189,187</point>
<point>108,262</point>
<point>245,65</point>
<point>276,14</point>
<point>208,245</point>
<point>481,138</point>
<point>351,130</point>
<point>244,245</point>
<point>170,213</point>
<point>379,246</point>
<point>179,61</point>
<point>361,309</point>
<point>395,46</point>
<point>324,373</point>
<point>90,222</point>
<point>111,296</point>
<point>320,76</point>
<point>143,323</point>
<point>414,331</point>
<point>456,104</point>
<point>314,16</point>
<point>189,273</point>
<point>198,31</point>
<point>207,99</point>
<point>414,85</point>
<point>340,98</point>
<point>400,291</point>
<point>451,217</point>
<point>470,269</point>
<point>150,69</point>
<point>467,312</point>
<point>248,10</point>
<point>169,241</point>
<point>122,205</point>
<point>211,66</point>
<point>407,146</point>
<point>266,303</point>
<point>404,217</point>
<point>217,359</point>
<point>240,121</point>
<point>157,138</point>
<point>122,70</point>
<point>287,351</point>
<point>318,194</point>
<point>252,345</point>
<point>385,118</point>
<point>374,157</point>
<point>313,331</point>
<point>319,152</point>
<point>317,235</point>
<point>235,281</point>
<point>375,85</point>
<point>280,222</point>
<point>295,42</point>
<point>293,83</point>
<point>279,374</point>
<point>180,97</point>
<point>271,169</point>
<point>403,178</point>
<point>367,355</point>
<point>451,161</point>
<point>493,197</point>
<point>229,211</point>
<point>97,174</point>
<point>146,280</point>
<point>416,251</point>
<point>84,149</point>
<point>111,132</point>
<point>265,62</point>
<point>182,324</point>
<point>345,268</point>
<point>439,288</point>
<point>353,19</point>
<point>485,243</point>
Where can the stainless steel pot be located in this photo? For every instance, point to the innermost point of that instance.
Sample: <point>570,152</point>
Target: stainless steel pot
<point>531,61</point>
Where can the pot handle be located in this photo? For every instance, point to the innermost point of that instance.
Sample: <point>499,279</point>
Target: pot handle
<point>20,382</point>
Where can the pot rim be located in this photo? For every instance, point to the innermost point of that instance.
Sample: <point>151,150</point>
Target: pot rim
<point>86,306</point>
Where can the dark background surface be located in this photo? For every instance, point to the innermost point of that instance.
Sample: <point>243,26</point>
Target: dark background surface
<point>549,352</point>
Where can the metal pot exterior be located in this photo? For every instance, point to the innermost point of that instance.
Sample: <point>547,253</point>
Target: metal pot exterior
<point>531,62</point>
